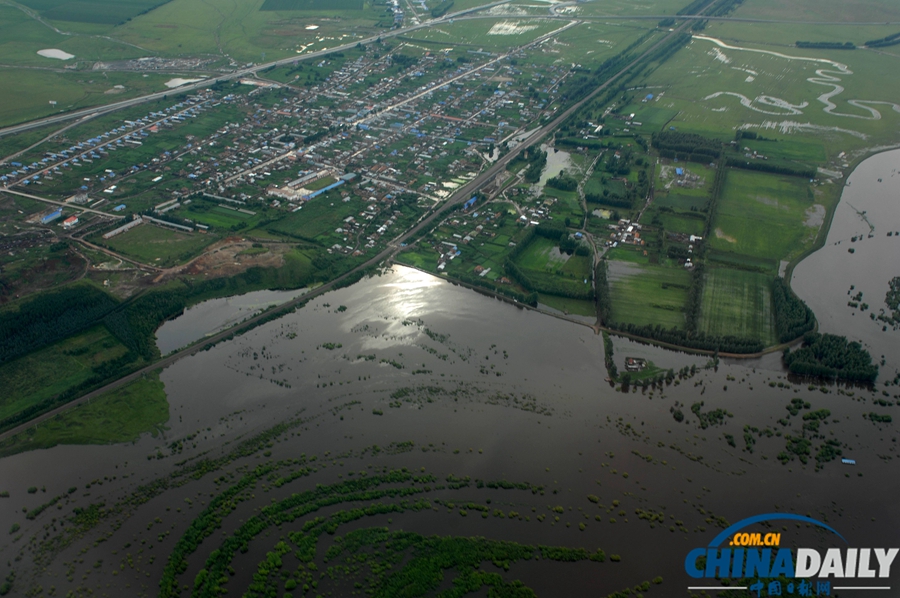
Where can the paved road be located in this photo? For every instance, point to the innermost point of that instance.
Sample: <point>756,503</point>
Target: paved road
<point>461,195</point>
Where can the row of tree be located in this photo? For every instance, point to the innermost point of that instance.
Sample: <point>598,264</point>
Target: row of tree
<point>686,143</point>
<point>888,40</point>
<point>683,338</point>
<point>827,45</point>
<point>773,167</point>
<point>793,318</point>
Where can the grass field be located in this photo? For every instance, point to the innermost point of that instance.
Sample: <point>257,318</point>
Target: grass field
<point>50,371</point>
<point>122,415</point>
<point>540,255</point>
<point>737,302</point>
<point>643,293</point>
<point>159,246</point>
<point>30,96</point>
<point>763,215</point>
<point>828,10</point>
<point>763,82</point>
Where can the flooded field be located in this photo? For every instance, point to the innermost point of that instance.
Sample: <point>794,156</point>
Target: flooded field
<point>407,404</point>
<point>210,316</point>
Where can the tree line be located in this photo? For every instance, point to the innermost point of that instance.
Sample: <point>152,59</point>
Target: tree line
<point>686,143</point>
<point>793,318</point>
<point>765,166</point>
<point>888,40</point>
<point>827,45</point>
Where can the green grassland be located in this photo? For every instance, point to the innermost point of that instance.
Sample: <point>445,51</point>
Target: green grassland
<point>828,10</point>
<point>626,8</point>
<point>22,36</point>
<point>644,293</point>
<point>762,215</point>
<point>689,223</point>
<point>478,32</point>
<point>702,69</point>
<point>737,302</point>
<point>92,11</point>
<point>158,246</point>
<point>122,415</point>
<point>29,98</point>
<point>54,369</point>
<point>242,30</point>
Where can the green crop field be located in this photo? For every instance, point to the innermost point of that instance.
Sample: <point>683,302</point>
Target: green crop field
<point>107,12</point>
<point>50,371</point>
<point>763,216</point>
<point>737,302</point>
<point>118,416</point>
<point>643,293</point>
<point>159,246</point>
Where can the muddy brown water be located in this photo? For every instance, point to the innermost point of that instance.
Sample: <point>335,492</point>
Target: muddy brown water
<point>549,418</point>
<point>869,205</point>
<point>209,317</point>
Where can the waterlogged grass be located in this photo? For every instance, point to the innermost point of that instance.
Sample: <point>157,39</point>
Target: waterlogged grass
<point>122,415</point>
<point>50,371</point>
<point>737,302</point>
<point>540,256</point>
<point>762,215</point>
<point>578,307</point>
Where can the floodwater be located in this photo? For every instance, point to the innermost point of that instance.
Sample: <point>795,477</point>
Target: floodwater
<point>557,161</point>
<point>54,53</point>
<point>869,209</point>
<point>178,82</point>
<point>209,317</point>
<point>494,392</point>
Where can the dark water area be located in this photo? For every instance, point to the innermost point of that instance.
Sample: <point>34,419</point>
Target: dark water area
<point>869,209</point>
<point>482,389</point>
<point>211,316</point>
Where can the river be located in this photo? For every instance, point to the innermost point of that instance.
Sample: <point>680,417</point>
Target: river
<point>828,279</point>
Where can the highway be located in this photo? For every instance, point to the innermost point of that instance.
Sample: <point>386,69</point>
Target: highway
<point>462,194</point>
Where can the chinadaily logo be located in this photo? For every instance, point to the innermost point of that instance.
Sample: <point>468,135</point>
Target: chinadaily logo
<point>770,568</point>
